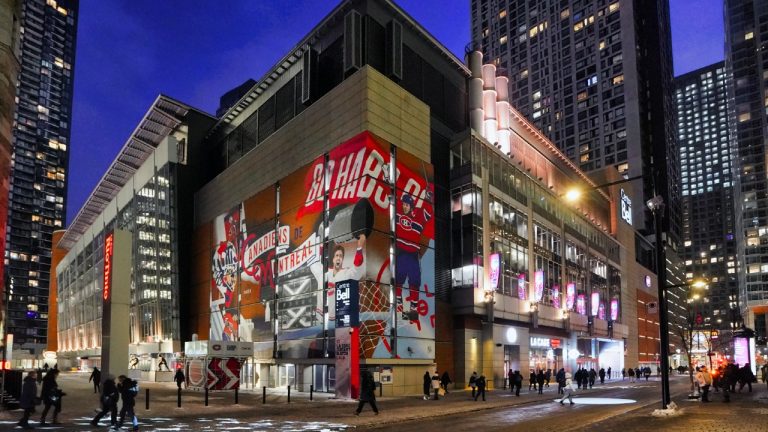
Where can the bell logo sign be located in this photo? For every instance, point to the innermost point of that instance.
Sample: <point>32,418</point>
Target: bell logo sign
<point>109,243</point>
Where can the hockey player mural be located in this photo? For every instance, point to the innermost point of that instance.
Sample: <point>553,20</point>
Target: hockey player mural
<point>278,256</point>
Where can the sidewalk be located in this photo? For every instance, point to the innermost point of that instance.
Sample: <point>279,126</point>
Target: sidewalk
<point>80,402</point>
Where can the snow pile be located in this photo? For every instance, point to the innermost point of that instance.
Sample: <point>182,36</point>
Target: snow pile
<point>671,411</point>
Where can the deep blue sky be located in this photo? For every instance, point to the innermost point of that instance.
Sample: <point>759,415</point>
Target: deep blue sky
<point>130,51</point>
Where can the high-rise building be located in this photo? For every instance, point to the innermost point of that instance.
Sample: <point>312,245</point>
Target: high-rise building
<point>595,76</point>
<point>746,32</point>
<point>38,183</point>
<point>10,13</point>
<point>709,243</point>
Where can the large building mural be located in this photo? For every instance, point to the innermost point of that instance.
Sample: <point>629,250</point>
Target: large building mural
<point>361,212</point>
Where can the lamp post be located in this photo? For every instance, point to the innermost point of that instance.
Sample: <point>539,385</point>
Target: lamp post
<point>656,206</point>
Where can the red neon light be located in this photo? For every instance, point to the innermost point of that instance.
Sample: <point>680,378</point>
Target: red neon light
<point>108,253</point>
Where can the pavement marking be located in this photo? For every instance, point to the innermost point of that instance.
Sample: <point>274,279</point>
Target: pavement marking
<point>600,401</point>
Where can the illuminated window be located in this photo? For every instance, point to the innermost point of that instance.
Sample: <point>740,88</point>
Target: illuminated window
<point>503,40</point>
<point>613,7</point>
<point>565,13</point>
<point>744,117</point>
<point>581,96</point>
<point>749,35</point>
<point>601,45</point>
<point>618,79</point>
<point>502,13</point>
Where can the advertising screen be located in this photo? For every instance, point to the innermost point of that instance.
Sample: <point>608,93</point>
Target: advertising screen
<point>278,256</point>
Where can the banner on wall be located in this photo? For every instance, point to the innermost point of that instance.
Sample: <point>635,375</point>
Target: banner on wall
<point>556,296</point>
<point>614,309</point>
<point>570,295</point>
<point>495,264</point>
<point>538,285</point>
<point>334,226</point>
<point>594,303</point>
<point>521,286</point>
<point>581,305</point>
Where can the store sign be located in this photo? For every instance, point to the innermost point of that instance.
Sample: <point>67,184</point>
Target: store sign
<point>581,304</point>
<point>512,335</point>
<point>109,252</point>
<point>495,263</point>
<point>554,343</point>
<point>647,281</point>
<point>540,342</point>
<point>740,350</point>
<point>594,304</point>
<point>521,286</point>
<point>601,311</point>
<point>614,309</point>
<point>538,285</point>
<point>626,207</point>
<point>556,296</point>
<point>570,295</point>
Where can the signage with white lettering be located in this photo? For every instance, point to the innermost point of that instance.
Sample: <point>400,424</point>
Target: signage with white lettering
<point>626,207</point>
<point>347,303</point>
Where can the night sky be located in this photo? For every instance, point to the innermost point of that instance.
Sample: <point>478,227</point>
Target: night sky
<point>196,50</point>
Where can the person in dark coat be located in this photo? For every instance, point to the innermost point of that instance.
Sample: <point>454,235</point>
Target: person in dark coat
<point>608,374</point>
<point>96,378</point>
<point>518,379</point>
<point>560,378</point>
<point>473,383</point>
<point>540,378</point>
<point>28,398</point>
<point>532,380</point>
<point>445,381</point>
<point>592,377</point>
<point>480,387</point>
<point>51,396</point>
<point>124,386</point>
<point>367,393</point>
<point>179,377</point>
<point>427,385</point>
<point>601,373</point>
<point>109,398</point>
<point>746,377</point>
<point>511,380</point>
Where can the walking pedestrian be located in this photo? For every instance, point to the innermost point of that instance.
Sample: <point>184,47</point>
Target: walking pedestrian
<point>367,393</point>
<point>179,378</point>
<point>96,378</point>
<point>128,389</point>
<point>592,377</point>
<point>647,372</point>
<point>631,373</point>
<point>28,398</point>
<point>602,375</point>
<point>746,377</point>
<point>623,373</point>
<point>51,396</point>
<point>568,389</point>
<point>473,383</point>
<point>608,375</point>
<point>436,385</point>
<point>427,385</point>
<point>511,380</point>
<point>705,380</point>
<point>540,380</point>
<point>445,381</point>
<point>532,383</point>
<point>480,387</point>
<point>560,378</point>
<point>518,382</point>
<point>109,398</point>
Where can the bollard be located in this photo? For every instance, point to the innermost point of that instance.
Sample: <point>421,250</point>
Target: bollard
<point>146,399</point>
<point>206,395</point>
<point>311,390</point>
<point>381,390</point>
<point>236,399</point>
<point>289,394</point>
<point>264,395</point>
<point>178,398</point>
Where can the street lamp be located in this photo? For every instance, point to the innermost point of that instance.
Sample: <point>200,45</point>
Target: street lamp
<point>656,206</point>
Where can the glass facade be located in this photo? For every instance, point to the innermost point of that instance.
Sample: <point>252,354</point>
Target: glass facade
<point>151,217</point>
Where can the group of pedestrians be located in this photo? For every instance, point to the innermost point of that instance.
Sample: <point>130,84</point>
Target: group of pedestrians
<point>51,397</point>
<point>637,373</point>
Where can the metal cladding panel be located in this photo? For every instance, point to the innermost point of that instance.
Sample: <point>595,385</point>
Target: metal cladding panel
<point>394,55</point>
<point>353,47</point>
<point>143,175</point>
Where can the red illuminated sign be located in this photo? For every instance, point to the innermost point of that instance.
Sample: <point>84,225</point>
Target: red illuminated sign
<point>554,343</point>
<point>108,254</point>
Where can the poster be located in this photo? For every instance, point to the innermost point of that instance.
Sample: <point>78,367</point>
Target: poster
<point>278,256</point>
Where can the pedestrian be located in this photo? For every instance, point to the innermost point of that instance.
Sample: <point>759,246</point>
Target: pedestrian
<point>601,373</point>
<point>540,380</point>
<point>518,382</point>
<point>109,398</point>
<point>179,378</point>
<point>51,395</point>
<point>608,375</point>
<point>547,377</point>
<point>746,377</point>
<point>128,389</point>
<point>28,398</point>
<point>96,378</point>
<point>631,373</point>
<point>445,381</point>
<point>367,393</point>
<point>39,375</point>
<point>567,389</point>
<point>532,382</point>
<point>577,377</point>
<point>427,385</point>
<point>473,383</point>
<point>647,372</point>
<point>436,385</point>
<point>592,377</point>
<point>658,371</point>
<point>764,371</point>
<point>705,381</point>
<point>480,387</point>
<point>511,380</point>
<point>623,373</point>
<point>560,378</point>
